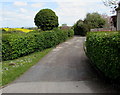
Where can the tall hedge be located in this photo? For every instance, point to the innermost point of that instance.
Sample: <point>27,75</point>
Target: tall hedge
<point>103,48</point>
<point>80,28</point>
<point>20,44</point>
<point>46,19</point>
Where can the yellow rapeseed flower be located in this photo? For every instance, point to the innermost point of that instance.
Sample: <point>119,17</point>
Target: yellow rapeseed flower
<point>20,29</point>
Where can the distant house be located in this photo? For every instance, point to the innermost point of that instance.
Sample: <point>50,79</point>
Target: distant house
<point>65,27</point>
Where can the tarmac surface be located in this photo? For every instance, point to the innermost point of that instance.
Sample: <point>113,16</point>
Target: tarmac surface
<point>66,69</point>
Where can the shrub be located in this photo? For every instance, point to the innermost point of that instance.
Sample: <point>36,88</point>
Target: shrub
<point>50,39</point>
<point>70,33</point>
<point>103,48</point>
<point>80,28</point>
<point>46,19</point>
<point>17,45</point>
<point>6,49</point>
<point>94,20</point>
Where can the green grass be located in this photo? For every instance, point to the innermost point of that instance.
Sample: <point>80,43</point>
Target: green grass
<point>11,72</point>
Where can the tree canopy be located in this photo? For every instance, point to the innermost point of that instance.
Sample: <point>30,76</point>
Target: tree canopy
<point>46,19</point>
<point>113,4</point>
<point>94,20</point>
<point>80,28</point>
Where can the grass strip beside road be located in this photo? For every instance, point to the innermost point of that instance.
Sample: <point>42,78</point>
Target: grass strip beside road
<point>12,69</point>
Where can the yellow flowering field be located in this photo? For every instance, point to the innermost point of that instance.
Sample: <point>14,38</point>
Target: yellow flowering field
<point>19,29</point>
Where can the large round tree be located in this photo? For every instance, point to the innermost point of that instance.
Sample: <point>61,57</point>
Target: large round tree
<point>46,19</point>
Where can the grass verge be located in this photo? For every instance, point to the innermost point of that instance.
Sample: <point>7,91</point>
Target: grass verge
<point>12,69</point>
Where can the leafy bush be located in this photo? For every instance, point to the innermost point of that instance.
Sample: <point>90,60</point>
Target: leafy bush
<point>94,20</point>
<point>80,28</point>
<point>103,48</point>
<point>6,49</point>
<point>17,45</point>
<point>46,19</point>
<point>70,33</point>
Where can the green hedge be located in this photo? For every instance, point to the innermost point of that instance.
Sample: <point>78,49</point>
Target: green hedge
<point>103,48</point>
<point>20,44</point>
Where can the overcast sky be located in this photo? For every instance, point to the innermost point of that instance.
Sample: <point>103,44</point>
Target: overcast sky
<point>21,13</point>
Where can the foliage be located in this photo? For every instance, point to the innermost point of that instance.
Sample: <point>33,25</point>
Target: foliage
<point>70,32</point>
<point>80,28</point>
<point>11,72</point>
<point>17,45</point>
<point>46,19</point>
<point>94,20</point>
<point>112,4</point>
<point>103,48</point>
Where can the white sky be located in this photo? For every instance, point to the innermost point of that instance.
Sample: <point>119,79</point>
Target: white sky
<point>21,13</point>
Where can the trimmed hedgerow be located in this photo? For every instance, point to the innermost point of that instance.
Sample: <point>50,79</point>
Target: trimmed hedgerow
<point>16,45</point>
<point>20,44</point>
<point>103,49</point>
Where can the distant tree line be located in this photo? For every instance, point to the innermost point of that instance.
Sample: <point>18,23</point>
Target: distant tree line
<point>92,20</point>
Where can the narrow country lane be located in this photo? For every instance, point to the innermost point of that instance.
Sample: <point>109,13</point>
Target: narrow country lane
<point>66,69</point>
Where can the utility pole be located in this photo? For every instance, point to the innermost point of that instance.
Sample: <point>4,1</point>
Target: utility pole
<point>118,17</point>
